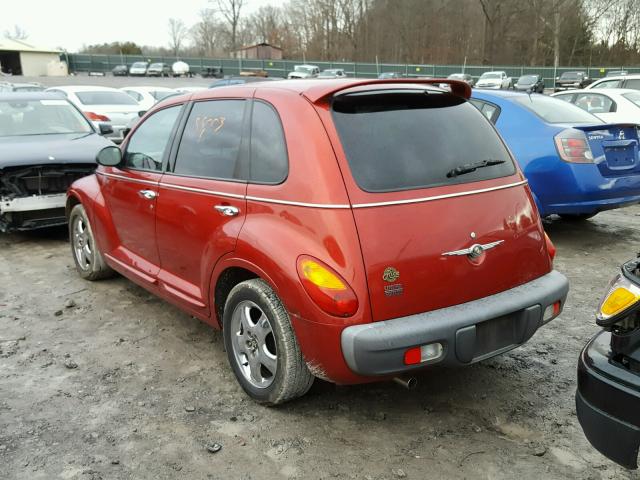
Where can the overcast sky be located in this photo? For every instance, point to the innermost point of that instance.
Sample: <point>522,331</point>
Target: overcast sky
<point>71,23</point>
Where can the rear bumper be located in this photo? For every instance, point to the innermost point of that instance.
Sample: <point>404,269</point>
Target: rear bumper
<point>592,206</point>
<point>469,332</point>
<point>608,404</point>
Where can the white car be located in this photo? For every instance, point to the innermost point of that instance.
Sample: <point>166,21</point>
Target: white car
<point>612,105</point>
<point>182,90</point>
<point>139,69</point>
<point>333,73</point>
<point>496,80</point>
<point>180,69</point>
<point>102,105</point>
<point>147,97</point>
<point>620,81</point>
<point>304,71</point>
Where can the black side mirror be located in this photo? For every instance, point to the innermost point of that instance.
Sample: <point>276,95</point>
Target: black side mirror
<point>125,132</point>
<point>141,113</point>
<point>110,156</point>
<point>105,128</point>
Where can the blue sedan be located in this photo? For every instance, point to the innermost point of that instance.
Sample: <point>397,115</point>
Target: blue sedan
<point>576,165</point>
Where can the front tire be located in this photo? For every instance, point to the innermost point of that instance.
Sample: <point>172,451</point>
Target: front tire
<point>261,346</point>
<point>89,262</point>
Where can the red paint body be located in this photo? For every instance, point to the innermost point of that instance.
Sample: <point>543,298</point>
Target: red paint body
<point>177,245</point>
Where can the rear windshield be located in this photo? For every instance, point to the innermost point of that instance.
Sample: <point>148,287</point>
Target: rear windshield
<point>105,98</point>
<point>407,140</point>
<point>553,110</point>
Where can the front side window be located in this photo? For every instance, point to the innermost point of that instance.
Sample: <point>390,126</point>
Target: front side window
<point>135,95</point>
<point>411,139</point>
<point>269,163</point>
<point>148,144</point>
<point>210,145</point>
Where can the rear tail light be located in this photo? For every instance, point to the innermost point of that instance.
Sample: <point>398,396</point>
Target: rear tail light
<point>551,248</point>
<point>423,353</point>
<point>551,312</point>
<point>573,146</point>
<point>326,288</point>
<point>96,117</point>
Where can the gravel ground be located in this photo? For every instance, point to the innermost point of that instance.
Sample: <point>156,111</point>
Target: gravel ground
<point>104,381</point>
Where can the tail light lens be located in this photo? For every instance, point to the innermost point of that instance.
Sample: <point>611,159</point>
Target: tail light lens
<point>573,146</point>
<point>326,288</point>
<point>96,117</point>
<point>551,248</point>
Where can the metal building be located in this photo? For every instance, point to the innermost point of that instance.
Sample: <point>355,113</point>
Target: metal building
<point>18,57</point>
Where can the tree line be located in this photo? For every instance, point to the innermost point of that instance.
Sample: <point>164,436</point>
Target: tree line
<point>508,32</point>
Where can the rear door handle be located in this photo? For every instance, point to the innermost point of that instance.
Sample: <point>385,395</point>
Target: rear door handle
<point>148,194</point>
<point>227,210</point>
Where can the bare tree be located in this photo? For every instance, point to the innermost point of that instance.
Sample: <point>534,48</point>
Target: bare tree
<point>177,34</point>
<point>230,10</point>
<point>18,33</point>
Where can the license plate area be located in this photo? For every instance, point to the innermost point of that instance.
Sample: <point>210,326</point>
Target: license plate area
<point>496,334</point>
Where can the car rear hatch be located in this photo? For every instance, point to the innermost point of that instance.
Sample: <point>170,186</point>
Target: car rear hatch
<point>433,236</point>
<point>614,148</point>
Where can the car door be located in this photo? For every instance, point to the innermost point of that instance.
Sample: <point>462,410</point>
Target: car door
<point>201,202</point>
<point>131,190</point>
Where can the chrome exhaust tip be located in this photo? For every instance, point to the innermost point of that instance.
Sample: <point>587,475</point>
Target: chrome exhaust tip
<point>408,382</point>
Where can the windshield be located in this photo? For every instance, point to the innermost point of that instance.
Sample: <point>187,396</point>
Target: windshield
<point>490,76</point>
<point>633,97</point>
<point>569,76</point>
<point>155,65</point>
<point>528,79</point>
<point>105,98</point>
<point>40,117</point>
<point>553,110</point>
<point>456,76</point>
<point>139,65</point>
<point>398,140</point>
<point>300,68</point>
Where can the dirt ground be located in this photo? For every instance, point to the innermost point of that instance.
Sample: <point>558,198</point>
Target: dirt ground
<point>104,381</point>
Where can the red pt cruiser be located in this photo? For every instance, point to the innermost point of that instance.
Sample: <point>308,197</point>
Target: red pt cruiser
<point>348,230</point>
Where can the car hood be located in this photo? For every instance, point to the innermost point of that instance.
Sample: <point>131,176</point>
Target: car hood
<point>22,150</point>
<point>489,81</point>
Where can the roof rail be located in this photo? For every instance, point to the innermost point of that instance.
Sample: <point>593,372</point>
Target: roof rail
<point>329,88</point>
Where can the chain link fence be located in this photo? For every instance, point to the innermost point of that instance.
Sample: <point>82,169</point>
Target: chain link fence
<point>79,63</point>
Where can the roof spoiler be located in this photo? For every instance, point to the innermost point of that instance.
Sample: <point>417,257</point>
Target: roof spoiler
<point>321,91</point>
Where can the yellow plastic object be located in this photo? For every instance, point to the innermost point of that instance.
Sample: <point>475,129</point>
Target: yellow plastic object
<point>617,301</point>
<point>320,276</point>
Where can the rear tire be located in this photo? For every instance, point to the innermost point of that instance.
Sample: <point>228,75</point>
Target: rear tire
<point>259,339</point>
<point>577,217</point>
<point>89,262</point>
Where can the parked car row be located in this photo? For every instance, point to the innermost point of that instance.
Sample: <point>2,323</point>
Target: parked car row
<point>156,69</point>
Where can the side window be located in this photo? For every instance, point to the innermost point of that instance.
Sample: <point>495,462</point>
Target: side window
<point>608,84</point>
<point>566,98</point>
<point>148,144</point>
<point>595,103</point>
<point>488,110</point>
<point>269,161</point>
<point>135,95</point>
<point>61,92</point>
<point>210,145</point>
<point>633,83</point>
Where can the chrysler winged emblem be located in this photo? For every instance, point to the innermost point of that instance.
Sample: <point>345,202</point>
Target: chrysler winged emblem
<point>474,251</point>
